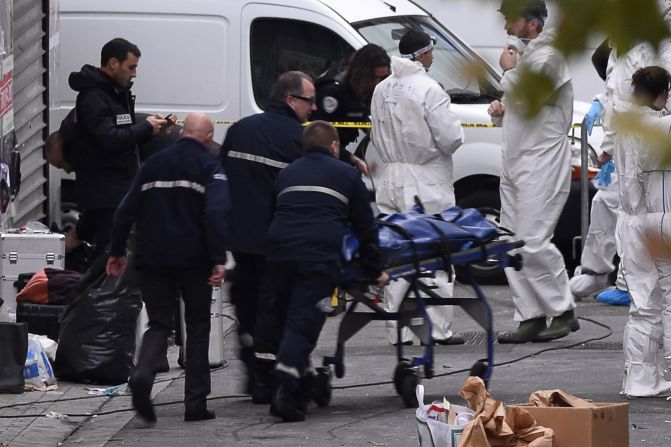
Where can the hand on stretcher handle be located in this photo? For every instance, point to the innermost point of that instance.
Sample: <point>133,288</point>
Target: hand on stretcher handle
<point>382,279</point>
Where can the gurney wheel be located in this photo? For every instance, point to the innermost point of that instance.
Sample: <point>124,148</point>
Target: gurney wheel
<point>409,384</point>
<point>479,369</point>
<point>321,389</point>
<point>401,370</point>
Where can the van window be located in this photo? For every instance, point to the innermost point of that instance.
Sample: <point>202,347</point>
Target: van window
<point>450,56</point>
<point>279,45</point>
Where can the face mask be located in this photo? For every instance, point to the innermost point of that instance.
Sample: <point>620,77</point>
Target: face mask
<point>517,43</point>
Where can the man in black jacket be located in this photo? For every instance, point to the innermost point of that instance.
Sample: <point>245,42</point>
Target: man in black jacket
<point>318,198</point>
<point>255,150</point>
<point>106,154</point>
<point>178,201</point>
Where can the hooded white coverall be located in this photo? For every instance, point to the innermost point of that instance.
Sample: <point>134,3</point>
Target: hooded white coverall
<point>415,133</point>
<point>600,244</point>
<point>649,324</point>
<point>535,183</point>
<point>644,364</point>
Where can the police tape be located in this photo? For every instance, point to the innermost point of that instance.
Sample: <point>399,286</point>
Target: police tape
<point>366,125</point>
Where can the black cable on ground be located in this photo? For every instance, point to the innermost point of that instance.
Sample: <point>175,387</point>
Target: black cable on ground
<point>360,385</point>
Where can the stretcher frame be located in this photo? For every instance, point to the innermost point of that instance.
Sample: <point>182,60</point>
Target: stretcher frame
<point>413,314</point>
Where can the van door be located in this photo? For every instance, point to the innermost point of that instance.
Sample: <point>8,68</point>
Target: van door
<point>278,38</point>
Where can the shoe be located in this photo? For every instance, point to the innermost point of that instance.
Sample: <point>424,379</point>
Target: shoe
<point>560,327</point>
<point>405,343</point>
<point>452,341</point>
<point>614,296</point>
<point>587,284</point>
<point>526,332</point>
<point>141,390</point>
<point>163,365</point>
<point>204,415</point>
<point>285,405</point>
<point>262,393</point>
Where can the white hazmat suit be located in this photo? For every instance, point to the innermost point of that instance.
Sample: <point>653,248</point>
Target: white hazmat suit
<point>644,364</point>
<point>535,183</point>
<point>596,261</point>
<point>415,133</point>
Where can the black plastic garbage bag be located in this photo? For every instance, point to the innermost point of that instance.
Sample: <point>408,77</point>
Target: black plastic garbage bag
<point>13,350</point>
<point>96,343</point>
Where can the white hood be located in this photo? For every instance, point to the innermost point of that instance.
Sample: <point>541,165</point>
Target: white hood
<point>402,67</point>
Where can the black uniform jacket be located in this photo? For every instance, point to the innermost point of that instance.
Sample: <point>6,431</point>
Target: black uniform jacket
<point>255,150</point>
<point>179,200</point>
<point>318,199</point>
<point>105,156</point>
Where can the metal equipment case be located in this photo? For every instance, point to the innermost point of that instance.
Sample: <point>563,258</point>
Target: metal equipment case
<point>26,251</point>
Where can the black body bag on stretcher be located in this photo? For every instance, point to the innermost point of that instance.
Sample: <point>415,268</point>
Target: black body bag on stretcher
<point>13,350</point>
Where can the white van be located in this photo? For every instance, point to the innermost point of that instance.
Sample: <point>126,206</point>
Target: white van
<point>222,56</point>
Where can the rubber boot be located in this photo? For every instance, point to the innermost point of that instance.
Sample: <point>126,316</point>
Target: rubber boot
<point>526,332</point>
<point>304,393</point>
<point>285,405</point>
<point>264,382</point>
<point>560,327</point>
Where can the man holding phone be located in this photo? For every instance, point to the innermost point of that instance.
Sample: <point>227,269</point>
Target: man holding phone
<point>107,137</point>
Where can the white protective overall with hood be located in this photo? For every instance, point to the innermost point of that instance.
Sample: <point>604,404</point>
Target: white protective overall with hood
<point>535,183</point>
<point>644,363</point>
<point>596,261</point>
<point>415,134</point>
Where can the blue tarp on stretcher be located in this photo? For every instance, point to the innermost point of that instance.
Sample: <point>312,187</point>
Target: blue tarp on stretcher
<point>411,237</point>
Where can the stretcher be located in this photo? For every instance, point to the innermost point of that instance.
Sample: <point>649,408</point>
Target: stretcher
<point>460,237</point>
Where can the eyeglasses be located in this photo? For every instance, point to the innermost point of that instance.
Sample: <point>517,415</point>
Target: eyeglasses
<point>305,98</point>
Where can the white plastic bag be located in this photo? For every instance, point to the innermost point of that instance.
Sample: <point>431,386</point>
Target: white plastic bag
<point>37,371</point>
<point>48,345</point>
<point>440,424</point>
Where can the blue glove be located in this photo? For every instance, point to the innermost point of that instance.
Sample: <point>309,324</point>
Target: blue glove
<point>593,115</point>
<point>602,179</point>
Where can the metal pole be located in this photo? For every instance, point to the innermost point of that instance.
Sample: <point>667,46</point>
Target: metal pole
<point>584,186</point>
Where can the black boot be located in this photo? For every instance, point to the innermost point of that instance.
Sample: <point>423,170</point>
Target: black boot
<point>247,358</point>
<point>526,332</point>
<point>285,405</point>
<point>263,381</point>
<point>560,327</point>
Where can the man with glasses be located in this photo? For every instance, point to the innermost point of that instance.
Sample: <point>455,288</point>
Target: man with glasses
<point>415,134</point>
<point>255,150</point>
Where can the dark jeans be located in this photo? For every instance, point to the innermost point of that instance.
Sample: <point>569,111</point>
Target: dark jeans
<point>297,288</point>
<point>95,227</point>
<point>160,290</point>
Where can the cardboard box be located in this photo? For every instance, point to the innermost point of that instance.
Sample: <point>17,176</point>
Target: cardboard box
<point>606,425</point>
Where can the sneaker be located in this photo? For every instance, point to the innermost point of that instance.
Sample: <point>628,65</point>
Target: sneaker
<point>587,284</point>
<point>614,296</point>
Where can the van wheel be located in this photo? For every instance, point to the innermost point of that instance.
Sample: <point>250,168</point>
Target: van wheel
<point>486,272</point>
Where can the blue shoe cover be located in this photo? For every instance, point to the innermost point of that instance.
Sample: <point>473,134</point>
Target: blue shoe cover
<point>616,297</point>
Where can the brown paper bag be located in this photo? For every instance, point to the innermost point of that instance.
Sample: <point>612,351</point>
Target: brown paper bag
<point>496,426</point>
<point>557,398</point>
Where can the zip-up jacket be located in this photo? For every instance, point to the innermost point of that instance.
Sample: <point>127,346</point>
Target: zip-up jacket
<point>318,197</point>
<point>179,200</point>
<point>255,150</point>
<point>337,101</point>
<point>106,157</point>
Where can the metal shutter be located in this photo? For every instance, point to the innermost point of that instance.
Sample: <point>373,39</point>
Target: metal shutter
<point>30,106</point>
